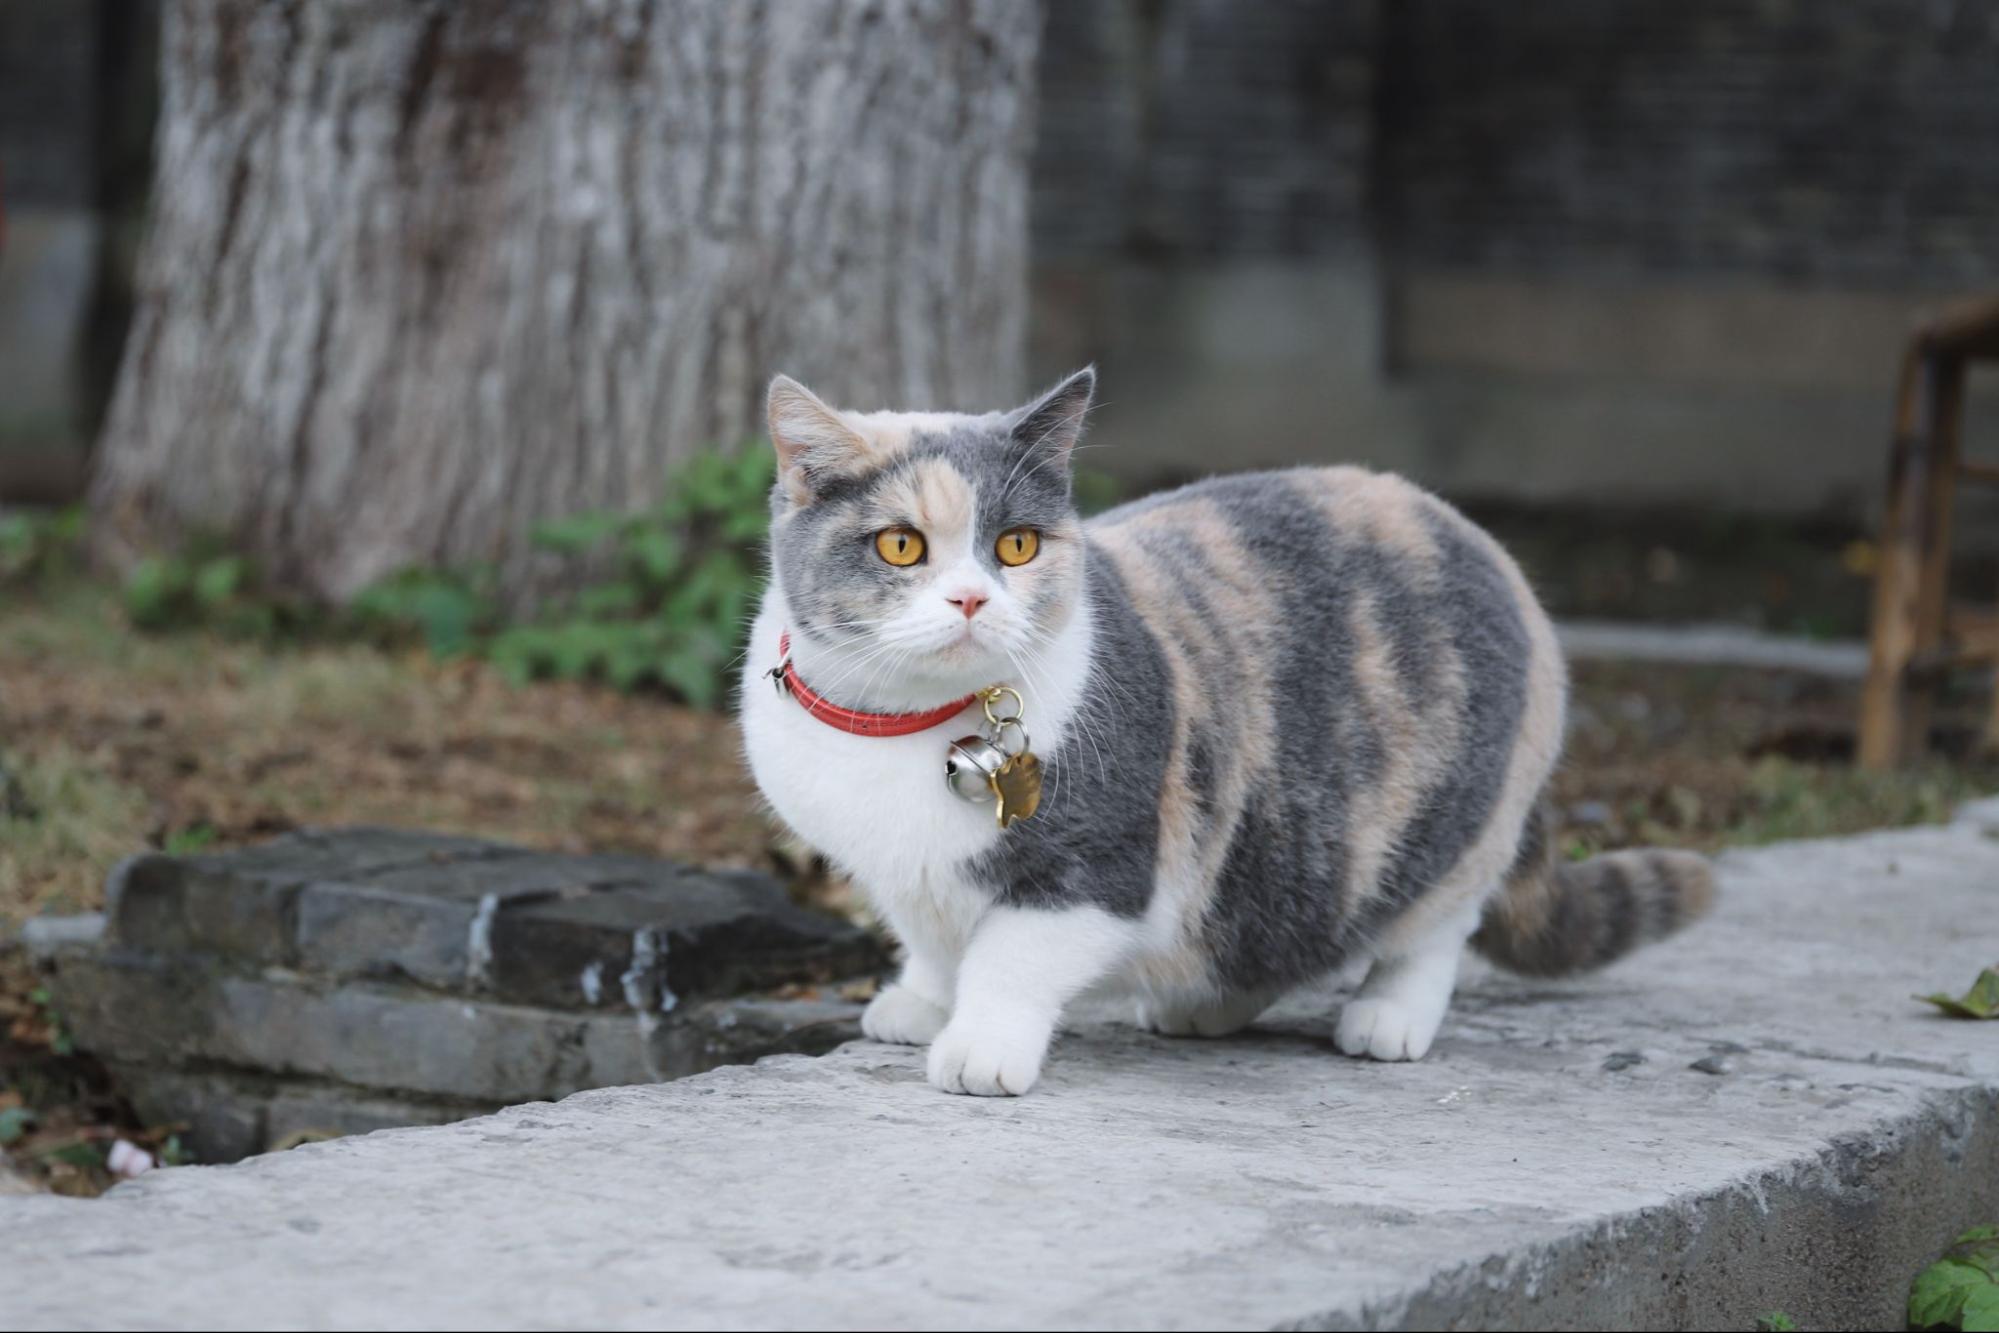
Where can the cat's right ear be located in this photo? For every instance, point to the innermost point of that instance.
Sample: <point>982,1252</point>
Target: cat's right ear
<point>813,444</point>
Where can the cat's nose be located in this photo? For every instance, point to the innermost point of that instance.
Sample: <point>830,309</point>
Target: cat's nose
<point>968,601</point>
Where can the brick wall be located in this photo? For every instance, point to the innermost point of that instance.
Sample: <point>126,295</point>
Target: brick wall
<point>1203,128</point>
<point>48,103</point>
<point>1850,142</point>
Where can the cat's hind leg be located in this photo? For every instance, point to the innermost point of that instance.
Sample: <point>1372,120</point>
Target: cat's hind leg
<point>1396,1012</point>
<point>1202,1015</point>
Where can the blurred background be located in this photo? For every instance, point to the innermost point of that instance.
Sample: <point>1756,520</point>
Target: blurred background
<point>380,381</point>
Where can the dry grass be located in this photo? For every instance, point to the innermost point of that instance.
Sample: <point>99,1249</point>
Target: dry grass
<point>121,741</point>
<point>1710,757</point>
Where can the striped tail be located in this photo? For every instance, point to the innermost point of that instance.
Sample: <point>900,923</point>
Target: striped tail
<point>1555,917</point>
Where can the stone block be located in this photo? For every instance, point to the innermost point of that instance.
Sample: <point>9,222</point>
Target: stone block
<point>221,1116</point>
<point>697,936</point>
<point>200,904</point>
<point>462,915</point>
<point>369,977</point>
<point>328,1109</point>
<point>137,1010</point>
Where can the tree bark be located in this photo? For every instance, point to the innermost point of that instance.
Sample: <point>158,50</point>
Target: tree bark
<point>422,274</point>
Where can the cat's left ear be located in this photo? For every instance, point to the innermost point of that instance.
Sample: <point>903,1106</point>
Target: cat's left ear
<point>1052,423</point>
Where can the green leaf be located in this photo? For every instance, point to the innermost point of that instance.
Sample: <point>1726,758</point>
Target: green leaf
<point>218,580</point>
<point>149,592</point>
<point>746,526</point>
<point>609,601</point>
<point>576,534</point>
<point>85,1155</point>
<point>184,842</point>
<point>655,551</point>
<point>1980,1313</point>
<point>1978,1247</point>
<point>15,1122</point>
<point>628,666</point>
<point>448,615</point>
<point>1981,1001</point>
<point>1776,1321</point>
<point>1940,1290</point>
<point>692,676</point>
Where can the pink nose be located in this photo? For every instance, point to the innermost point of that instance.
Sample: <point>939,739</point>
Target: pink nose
<point>968,601</point>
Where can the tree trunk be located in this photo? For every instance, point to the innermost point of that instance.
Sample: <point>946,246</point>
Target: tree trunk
<point>422,274</point>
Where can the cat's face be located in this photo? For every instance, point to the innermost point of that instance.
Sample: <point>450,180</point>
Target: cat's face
<point>923,548</point>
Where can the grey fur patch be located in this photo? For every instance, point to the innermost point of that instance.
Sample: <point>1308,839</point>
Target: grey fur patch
<point>1096,838</point>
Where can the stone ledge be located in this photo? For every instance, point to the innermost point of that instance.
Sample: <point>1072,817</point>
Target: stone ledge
<point>1753,1116</point>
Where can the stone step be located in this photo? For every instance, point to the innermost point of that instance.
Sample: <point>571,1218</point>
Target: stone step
<point>459,914</point>
<point>357,978</point>
<point>1753,1116</point>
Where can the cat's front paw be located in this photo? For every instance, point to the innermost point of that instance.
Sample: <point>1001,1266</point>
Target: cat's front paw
<point>989,1059</point>
<point>1384,1030</point>
<point>901,1017</point>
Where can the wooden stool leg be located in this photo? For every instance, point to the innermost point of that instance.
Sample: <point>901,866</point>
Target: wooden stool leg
<point>1897,577</point>
<point>1988,744</point>
<point>1943,410</point>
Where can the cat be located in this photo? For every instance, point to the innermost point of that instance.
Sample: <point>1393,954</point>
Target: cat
<point>1284,720</point>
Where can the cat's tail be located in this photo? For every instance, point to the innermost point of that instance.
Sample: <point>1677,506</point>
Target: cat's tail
<point>1554,917</point>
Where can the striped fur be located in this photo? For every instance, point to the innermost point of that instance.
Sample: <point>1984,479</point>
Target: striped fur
<point>1286,720</point>
<point>1554,918</point>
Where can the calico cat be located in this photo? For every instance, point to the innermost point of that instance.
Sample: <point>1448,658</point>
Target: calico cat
<point>1283,720</point>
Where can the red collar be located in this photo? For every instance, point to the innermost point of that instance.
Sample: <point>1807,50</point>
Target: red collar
<point>853,720</point>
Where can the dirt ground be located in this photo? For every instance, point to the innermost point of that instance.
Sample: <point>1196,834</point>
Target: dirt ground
<point>112,742</point>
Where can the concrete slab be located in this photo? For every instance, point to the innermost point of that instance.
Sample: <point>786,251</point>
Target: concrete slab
<point>1754,1116</point>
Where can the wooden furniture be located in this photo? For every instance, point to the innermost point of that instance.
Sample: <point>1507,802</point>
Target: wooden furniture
<point>1917,635</point>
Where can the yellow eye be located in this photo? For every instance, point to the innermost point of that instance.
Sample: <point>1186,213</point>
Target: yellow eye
<point>901,547</point>
<point>1018,546</point>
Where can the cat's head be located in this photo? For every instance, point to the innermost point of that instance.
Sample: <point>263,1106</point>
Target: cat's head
<point>927,550</point>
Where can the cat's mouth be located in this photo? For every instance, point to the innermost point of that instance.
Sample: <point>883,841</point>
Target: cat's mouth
<point>964,643</point>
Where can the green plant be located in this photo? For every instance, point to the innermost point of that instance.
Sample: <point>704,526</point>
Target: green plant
<point>661,595</point>
<point>60,1042</point>
<point>189,840</point>
<point>680,582</point>
<point>15,1122</point>
<point>1776,1321</point>
<point>1960,1290</point>
<point>203,586</point>
<point>36,544</point>
<point>452,611</point>
<point>81,1154</point>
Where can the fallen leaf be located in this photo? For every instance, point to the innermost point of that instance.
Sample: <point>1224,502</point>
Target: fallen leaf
<point>1981,1001</point>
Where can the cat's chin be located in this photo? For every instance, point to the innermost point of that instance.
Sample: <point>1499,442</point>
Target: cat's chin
<point>967,662</point>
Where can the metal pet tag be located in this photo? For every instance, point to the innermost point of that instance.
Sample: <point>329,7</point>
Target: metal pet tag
<point>979,768</point>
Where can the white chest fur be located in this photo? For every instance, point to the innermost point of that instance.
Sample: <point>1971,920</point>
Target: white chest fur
<point>877,806</point>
